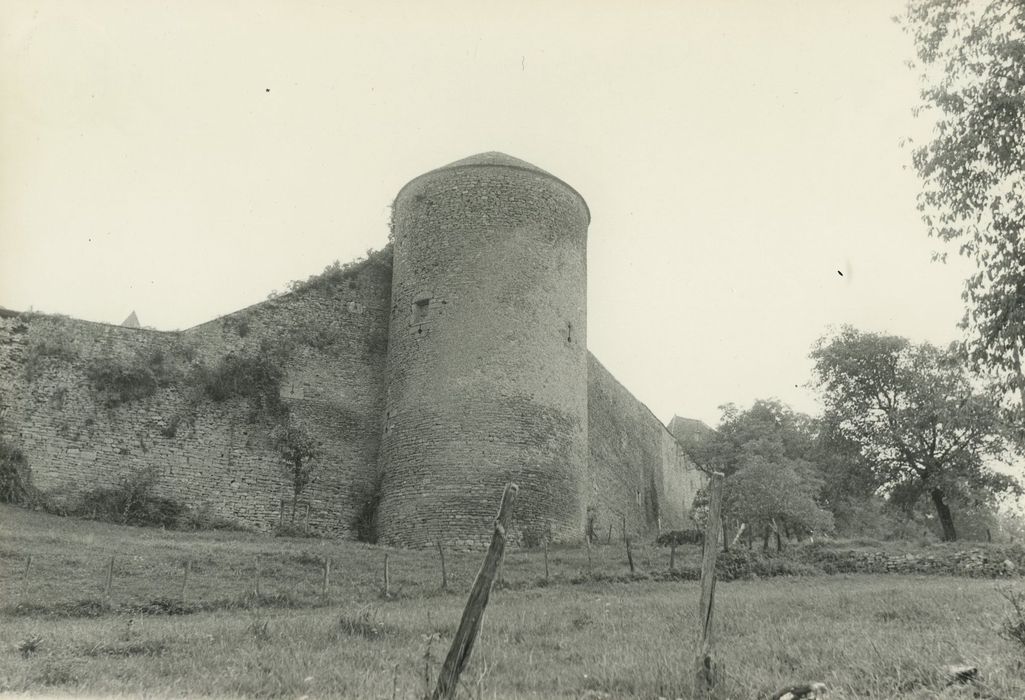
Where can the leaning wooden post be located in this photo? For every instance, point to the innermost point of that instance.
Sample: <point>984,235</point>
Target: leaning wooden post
<point>185,581</point>
<point>469,625</point>
<point>548,539</point>
<point>444,573</point>
<point>24,575</point>
<point>587,539</point>
<point>327,577</point>
<point>110,580</point>
<point>706,670</point>
<point>629,554</point>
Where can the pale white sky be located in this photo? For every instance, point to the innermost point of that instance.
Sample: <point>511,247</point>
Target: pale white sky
<point>185,159</point>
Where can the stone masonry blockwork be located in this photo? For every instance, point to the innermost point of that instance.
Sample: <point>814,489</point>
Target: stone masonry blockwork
<point>487,355</point>
<point>444,366</point>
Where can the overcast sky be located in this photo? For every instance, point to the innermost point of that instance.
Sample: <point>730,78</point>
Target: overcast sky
<point>741,160</point>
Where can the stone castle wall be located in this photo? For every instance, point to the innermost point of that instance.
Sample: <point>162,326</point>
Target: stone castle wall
<point>207,454</point>
<point>637,470</point>
<point>431,375</point>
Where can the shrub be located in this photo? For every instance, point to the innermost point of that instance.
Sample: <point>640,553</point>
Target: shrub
<point>1013,628</point>
<point>171,429</point>
<point>204,518</point>
<point>533,537</point>
<point>739,563</point>
<point>336,273</point>
<point>15,476</point>
<point>366,623</point>
<point>120,381</point>
<point>131,502</point>
<point>678,537</point>
<point>300,451</point>
<point>292,529</point>
<point>255,377</point>
<point>48,336</point>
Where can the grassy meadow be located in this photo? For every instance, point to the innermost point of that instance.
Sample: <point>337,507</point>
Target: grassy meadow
<point>574,636</point>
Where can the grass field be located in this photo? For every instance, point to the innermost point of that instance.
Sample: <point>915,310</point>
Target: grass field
<point>864,636</point>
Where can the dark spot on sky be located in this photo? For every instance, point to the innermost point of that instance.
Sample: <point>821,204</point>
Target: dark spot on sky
<point>267,90</point>
<point>839,273</point>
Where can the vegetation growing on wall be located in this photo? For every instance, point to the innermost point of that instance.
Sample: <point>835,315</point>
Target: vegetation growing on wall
<point>118,381</point>
<point>15,476</point>
<point>335,274</point>
<point>48,339</point>
<point>157,386</point>
<point>131,502</point>
<point>300,450</point>
<point>255,376</point>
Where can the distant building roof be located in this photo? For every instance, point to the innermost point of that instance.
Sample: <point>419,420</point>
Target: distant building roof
<point>132,321</point>
<point>688,429</point>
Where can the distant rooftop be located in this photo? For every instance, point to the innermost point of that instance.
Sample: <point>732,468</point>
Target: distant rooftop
<point>686,429</point>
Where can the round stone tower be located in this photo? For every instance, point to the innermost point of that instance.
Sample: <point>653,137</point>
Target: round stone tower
<point>487,355</point>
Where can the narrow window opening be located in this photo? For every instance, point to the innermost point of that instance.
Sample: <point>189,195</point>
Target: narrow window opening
<point>420,307</point>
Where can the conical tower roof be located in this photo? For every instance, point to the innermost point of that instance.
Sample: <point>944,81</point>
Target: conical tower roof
<point>497,159</point>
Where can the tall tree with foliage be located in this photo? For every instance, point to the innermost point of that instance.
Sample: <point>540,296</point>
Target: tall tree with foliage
<point>850,485</point>
<point>916,414</point>
<point>771,483</point>
<point>971,63</point>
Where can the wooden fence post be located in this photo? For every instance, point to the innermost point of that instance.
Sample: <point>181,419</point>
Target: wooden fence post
<point>672,555</point>
<point>185,581</point>
<point>386,591</point>
<point>608,540</point>
<point>306,521</point>
<point>588,541</point>
<point>444,572</point>
<point>629,554</point>
<point>707,672</point>
<point>327,577</point>
<point>257,575</point>
<point>469,625</point>
<point>24,575</point>
<point>281,514</point>
<point>110,580</point>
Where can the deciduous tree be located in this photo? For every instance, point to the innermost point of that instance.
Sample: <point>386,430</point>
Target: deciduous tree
<point>765,453</point>
<point>300,451</point>
<point>971,63</point>
<point>916,414</point>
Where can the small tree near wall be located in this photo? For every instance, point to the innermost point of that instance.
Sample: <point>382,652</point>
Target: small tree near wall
<point>300,450</point>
